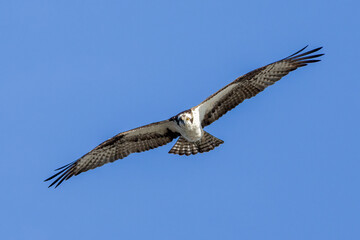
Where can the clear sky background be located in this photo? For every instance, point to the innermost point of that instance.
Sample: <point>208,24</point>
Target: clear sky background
<point>75,73</point>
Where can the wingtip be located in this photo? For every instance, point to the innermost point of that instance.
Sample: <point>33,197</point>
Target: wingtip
<point>306,46</point>
<point>64,173</point>
<point>300,54</point>
<point>299,51</point>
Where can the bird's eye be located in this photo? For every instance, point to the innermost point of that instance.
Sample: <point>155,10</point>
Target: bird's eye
<point>187,119</point>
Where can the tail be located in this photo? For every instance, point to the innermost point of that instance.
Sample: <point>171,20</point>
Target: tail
<point>207,143</point>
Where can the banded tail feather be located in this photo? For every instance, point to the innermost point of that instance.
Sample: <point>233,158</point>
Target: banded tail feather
<point>206,144</point>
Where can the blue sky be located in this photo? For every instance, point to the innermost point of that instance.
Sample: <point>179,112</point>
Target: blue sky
<point>75,73</point>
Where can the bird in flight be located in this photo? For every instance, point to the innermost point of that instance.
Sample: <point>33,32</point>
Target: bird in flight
<point>187,125</point>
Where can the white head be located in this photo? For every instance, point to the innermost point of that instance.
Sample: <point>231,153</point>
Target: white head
<point>185,118</point>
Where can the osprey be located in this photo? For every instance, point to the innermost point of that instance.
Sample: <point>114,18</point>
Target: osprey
<point>188,125</point>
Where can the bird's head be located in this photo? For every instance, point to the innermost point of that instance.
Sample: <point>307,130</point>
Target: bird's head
<point>185,118</point>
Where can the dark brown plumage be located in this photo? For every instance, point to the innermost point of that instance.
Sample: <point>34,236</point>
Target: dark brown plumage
<point>252,83</point>
<point>147,137</point>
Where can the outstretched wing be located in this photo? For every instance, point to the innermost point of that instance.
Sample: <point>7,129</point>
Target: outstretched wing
<point>137,140</point>
<point>251,84</point>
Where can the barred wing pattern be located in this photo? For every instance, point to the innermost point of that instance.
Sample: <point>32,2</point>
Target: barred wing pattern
<point>250,84</point>
<point>137,140</point>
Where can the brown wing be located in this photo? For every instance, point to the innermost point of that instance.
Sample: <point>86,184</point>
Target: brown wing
<point>137,140</point>
<point>251,84</point>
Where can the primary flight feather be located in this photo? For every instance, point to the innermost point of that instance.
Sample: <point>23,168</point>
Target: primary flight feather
<point>189,124</point>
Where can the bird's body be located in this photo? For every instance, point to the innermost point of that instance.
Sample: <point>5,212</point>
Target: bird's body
<point>187,125</point>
